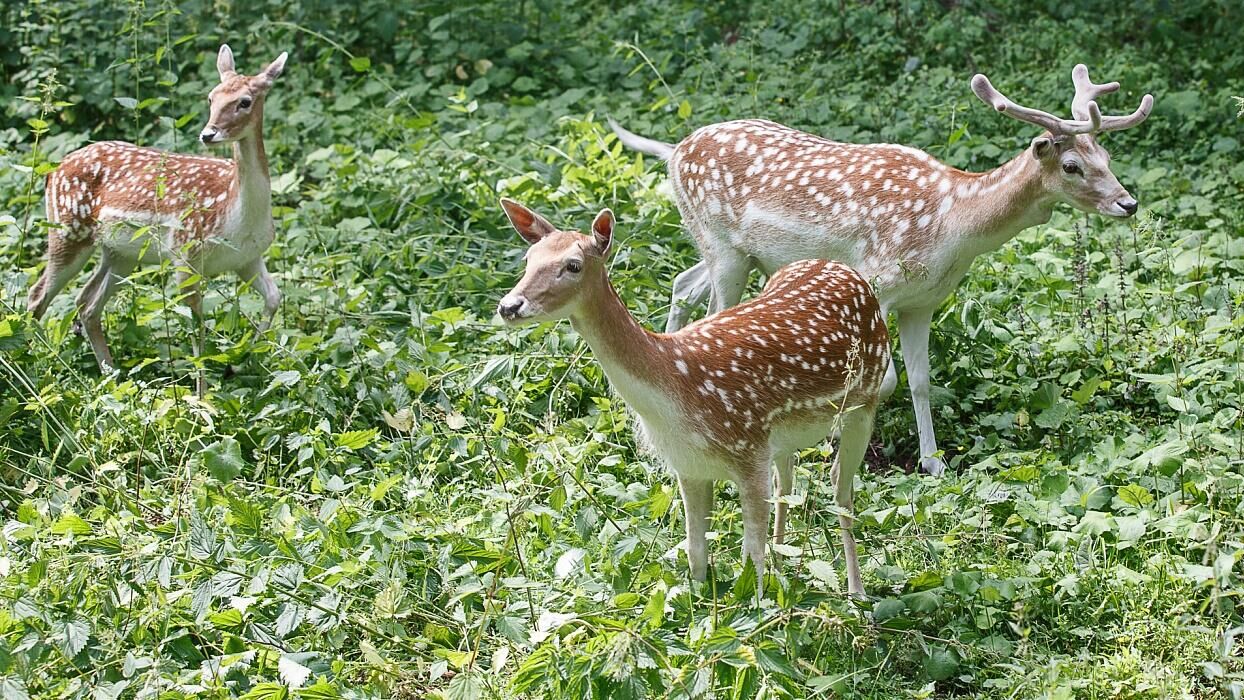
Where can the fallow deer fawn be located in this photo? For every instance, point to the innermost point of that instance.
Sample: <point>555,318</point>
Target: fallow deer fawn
<point>724,397</point>
<point>757,194</point>
<point>207,215</point>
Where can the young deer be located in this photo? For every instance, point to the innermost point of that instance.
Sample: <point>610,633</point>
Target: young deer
<point>757,194</point>
<point>207,215</point>
<point>724,397</point>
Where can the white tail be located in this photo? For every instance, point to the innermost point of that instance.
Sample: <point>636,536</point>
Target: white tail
<point>208,215</point>
<point>758,194</point>
<point>726,397</point>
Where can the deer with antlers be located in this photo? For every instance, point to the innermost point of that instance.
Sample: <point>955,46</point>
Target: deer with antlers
<point>141,205</point>
<point>727,396</point>
<point>755,194</point>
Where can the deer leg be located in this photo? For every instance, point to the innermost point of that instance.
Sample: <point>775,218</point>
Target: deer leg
<point>257,275</point>
<point>65,260</point>
<point>754,493</point>
<point>697,505</point>
<point>785,483</point>
<point>691,288</point>
<point>729,278</point>
<point>857,430</point>
<point>94,296</point>
<point>194,300</point>
<point>913,329</point>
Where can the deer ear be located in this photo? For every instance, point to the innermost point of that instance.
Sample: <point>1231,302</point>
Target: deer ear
<point>602,231</point>
<point>274,70</point>
<point>224,62</point>
<point>530,225</point>
<point>1042,147</point>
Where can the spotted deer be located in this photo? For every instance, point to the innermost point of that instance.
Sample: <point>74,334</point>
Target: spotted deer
<point>727,396</point>
<point>140,205</point>
<point>755,194</point>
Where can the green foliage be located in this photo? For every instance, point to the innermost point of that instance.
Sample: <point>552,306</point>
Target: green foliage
<point>391,495</point>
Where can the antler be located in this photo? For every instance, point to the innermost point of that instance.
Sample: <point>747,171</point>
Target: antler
<point>1088,117</point>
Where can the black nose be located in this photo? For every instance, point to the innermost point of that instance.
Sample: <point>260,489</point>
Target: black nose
<point>205,138</point>
<point>509,308</point>
<point>1129,206</point>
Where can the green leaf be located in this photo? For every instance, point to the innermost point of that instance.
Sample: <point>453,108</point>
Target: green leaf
<point>223,459</point>
<point>825,572</point>
<point>356,439</point>
<point>71,524</point>
<point>73,634</point>
<point>126,102</point>
<point>941,663</point>
<point>922,601</point>
<point>888,609</point>
<point>1135,495</point>
<point>684,110</point>
<point>267,691</point>
<point>465,686</point>
<point>360,63</point>
<point>13,688</point>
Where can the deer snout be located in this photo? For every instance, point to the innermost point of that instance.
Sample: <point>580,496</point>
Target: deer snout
<point>1129,205</point>
<point>511,307</point>
<point>209,134</point>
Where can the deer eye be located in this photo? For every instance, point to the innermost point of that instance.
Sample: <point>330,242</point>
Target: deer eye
<point>244,103</point>
<point>1072,168</point>
<point>574,267</point>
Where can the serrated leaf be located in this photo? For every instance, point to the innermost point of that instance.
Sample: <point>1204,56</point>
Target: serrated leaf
<point>293,674</point>
<point>569,562</point>
<point>267,691</point>
<point>13,688</point>
<point>355,439</point>
<point>825,572</point>
<point>69,523</point>
<point>73,634</point>
<point>288,619</point>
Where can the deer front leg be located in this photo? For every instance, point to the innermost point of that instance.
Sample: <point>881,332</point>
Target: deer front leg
<point>257,275</point>
<point>691,288</point>
<point>94,297</point>
<point>913,329</point>
<point>697,505</point>
<point>194,300</point>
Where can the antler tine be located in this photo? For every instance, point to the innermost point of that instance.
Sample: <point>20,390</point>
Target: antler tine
<point>1087,91</point>
<point>1126,122</point>
<point>1055,125</point>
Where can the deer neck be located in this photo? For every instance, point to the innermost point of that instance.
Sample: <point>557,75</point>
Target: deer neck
<point>992,207</point>
<point>254,187</point>
<point>630,355</point>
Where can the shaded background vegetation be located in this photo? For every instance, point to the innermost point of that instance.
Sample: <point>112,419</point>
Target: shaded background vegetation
<point>389,494</point>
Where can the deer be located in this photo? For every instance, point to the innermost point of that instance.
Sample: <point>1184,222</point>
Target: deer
<point>755,194</point>
<point>732,394</point>
<point>141,205</point>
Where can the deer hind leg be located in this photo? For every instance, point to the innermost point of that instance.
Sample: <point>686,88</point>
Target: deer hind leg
<point>697,505</point>
<point>785,483</point>
<point>856,431</point>
<point>729,278</point>
<point>95,295</point>
<point>913,329</point>
<point>257,275</point>
<point>66,258</point>
<point>754,493</point>
<point>691,289</point>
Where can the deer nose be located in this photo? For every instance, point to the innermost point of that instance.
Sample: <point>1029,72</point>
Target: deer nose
<point>209,134</point>
<point>1128,205</point>
<point>510,306</point>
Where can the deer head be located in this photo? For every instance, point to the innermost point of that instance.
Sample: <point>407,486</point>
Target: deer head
<point>1076,169</point>
<point>560,266</point>
<point>237,102</point>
